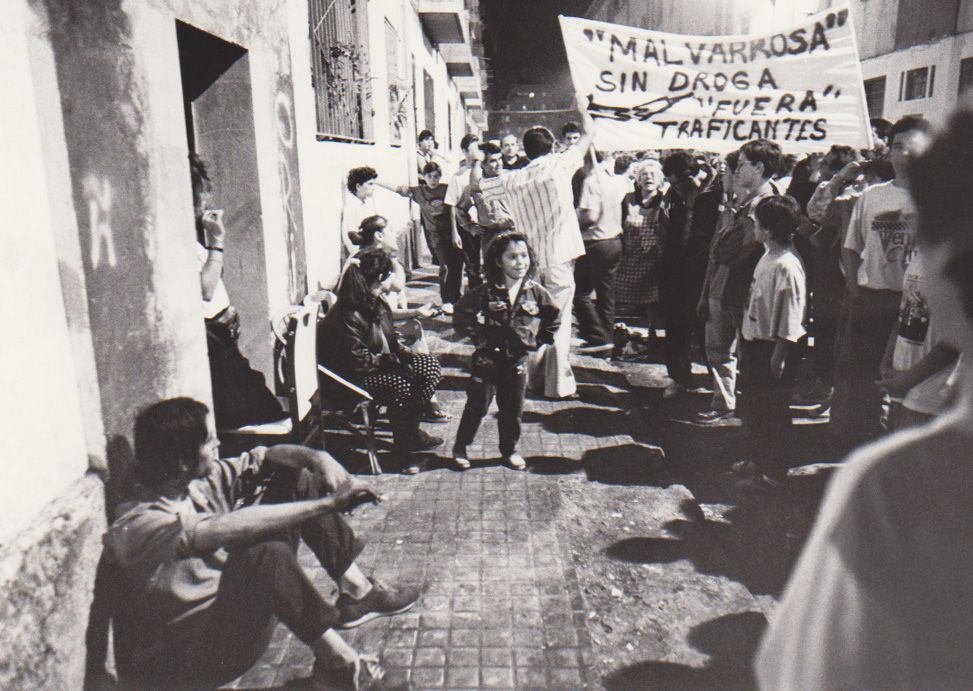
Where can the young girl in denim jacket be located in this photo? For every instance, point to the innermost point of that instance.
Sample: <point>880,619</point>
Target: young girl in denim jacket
<point>505,317</point>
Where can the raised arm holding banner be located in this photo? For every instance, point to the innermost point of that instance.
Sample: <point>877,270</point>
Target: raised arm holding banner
<point>801,88</point>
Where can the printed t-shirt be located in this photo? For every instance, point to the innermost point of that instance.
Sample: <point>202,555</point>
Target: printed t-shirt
<point>882,232</point>
<point>778,298</point>
<point>916,337</point>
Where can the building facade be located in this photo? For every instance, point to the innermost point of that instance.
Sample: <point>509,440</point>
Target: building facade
<point>917,57</point>
<point>105,99</point>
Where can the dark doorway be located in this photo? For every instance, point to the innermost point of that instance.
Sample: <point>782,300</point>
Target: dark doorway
<point>218,107</point>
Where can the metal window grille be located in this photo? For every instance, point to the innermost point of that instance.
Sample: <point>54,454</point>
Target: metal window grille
<point>915,83</point>
<point>875,96</point>
<point>339,69</point>
<point>429,100</point>
<point>397,90</point>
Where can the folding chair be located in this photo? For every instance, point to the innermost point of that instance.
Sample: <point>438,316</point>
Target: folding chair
<point>364,405</point>
<point>292,363</point>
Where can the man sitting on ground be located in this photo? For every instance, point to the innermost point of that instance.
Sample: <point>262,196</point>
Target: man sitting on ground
<point>205,564</point>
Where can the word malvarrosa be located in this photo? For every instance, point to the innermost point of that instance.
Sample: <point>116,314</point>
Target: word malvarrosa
<point>797,42</point>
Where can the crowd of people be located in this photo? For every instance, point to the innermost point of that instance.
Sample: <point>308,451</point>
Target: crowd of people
<point>754,264</point>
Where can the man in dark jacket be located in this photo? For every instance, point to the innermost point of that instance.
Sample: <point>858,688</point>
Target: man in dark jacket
<point>734,254</point>
<point>690,211</point>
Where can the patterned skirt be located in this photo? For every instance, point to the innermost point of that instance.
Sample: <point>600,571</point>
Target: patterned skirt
<point>637,280</point>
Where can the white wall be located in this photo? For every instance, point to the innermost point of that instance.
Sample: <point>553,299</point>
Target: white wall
<point>945,55</point>
<point>42,448</point>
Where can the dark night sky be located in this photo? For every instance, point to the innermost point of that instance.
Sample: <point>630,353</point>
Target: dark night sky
<point>523,40</point>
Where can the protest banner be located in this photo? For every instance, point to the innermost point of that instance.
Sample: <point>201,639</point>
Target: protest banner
<point>801,88</point>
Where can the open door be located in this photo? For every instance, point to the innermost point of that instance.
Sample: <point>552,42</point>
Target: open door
<point>218,107</point>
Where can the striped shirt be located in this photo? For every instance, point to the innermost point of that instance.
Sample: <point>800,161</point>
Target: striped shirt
<point>541,202</point>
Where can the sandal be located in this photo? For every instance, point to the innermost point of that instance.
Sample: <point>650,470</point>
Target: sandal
<point>435,413</point>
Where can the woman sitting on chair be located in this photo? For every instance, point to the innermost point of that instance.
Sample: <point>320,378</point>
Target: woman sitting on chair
<point>356,340</point>
<point>372,235</point>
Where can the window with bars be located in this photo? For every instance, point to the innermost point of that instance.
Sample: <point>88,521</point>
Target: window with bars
<point>875,96</point>
<point>398,91</point>
<point>339,70</point>
<point>429,101</point>
<point>917,83</point>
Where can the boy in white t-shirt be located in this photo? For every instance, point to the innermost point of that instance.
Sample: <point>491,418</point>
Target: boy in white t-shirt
<point>773,335</point>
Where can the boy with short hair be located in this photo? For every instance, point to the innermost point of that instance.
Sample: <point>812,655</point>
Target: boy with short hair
<point>773,329</point>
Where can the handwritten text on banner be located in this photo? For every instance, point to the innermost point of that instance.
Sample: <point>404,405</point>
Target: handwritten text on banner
<point>801,88</point>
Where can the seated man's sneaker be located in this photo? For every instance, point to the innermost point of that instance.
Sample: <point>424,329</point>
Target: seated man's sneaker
<point>363,674</point>
<point>381,601</point>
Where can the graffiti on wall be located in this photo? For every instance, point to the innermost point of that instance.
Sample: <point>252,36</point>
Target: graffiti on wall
<point>286,136</point>
<point>98,194</point>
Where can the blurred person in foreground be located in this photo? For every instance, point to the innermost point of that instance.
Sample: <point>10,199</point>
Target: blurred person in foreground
<point>880,598</point>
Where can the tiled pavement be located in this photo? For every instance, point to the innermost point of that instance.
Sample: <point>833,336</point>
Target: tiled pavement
<point>501,608</point>
<point>503,605</point>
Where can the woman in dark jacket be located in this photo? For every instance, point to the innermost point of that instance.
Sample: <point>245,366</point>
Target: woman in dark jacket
<point>357,341</point>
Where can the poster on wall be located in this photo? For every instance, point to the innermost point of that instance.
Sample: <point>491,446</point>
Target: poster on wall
<point>801,87</point>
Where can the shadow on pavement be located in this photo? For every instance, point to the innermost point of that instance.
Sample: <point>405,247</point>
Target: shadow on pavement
<point>627,464</point>
<point>581,419</point>
<point>730,641</point>
<point>755,543</point>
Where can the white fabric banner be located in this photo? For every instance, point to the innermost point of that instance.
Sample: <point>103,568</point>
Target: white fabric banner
<point>801,88</point>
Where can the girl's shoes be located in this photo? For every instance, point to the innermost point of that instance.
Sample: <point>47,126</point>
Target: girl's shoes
<point>460,460</point>
<point>516,461</point>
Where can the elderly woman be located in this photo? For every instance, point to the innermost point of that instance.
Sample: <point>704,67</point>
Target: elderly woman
<point>637,280</point>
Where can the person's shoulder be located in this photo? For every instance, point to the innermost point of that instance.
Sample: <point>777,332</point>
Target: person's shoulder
<point>880,190</point>
<point>472,297</point>
<point>895,466</point>
<point>790,261</point>
<point>139,521</point>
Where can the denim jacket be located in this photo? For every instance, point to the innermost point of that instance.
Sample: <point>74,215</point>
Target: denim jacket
<point>486,316</point>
